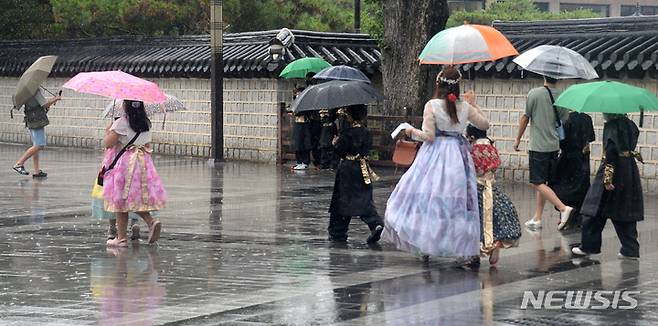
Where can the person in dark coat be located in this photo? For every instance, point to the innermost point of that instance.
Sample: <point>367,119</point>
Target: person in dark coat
<point>352,194</point>
<point>573,178</point>
<point>328,159</point>
<point>616,192</point>
<point>315,129</point>
<point>301,136</point>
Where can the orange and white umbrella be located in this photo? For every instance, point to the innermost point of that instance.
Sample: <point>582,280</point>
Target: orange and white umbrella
<point>466,44</point>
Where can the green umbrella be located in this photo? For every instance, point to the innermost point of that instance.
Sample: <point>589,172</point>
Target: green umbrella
<point>301,67</point>
<point>607,97</point>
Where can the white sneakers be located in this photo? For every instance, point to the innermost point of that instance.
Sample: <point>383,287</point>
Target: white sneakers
<point>578,252</point>
<point>533,224</point>
<point>564,217</point>
<point>300,166</point>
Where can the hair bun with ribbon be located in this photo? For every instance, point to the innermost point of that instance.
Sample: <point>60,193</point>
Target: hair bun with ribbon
<point>452,97</point>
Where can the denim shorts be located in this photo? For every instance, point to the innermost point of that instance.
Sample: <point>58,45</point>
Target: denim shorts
<point>38,137</point>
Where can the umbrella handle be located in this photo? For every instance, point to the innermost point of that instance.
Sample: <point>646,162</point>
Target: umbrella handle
<point>51,93</point>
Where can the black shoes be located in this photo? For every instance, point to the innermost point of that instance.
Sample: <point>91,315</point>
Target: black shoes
<point>20,169</point>
<point>376,234</point>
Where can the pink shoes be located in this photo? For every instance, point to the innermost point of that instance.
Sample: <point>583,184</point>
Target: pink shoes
<point>117,243</point>
<point>154,231</point>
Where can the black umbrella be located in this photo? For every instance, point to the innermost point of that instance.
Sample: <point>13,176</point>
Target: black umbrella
<point>335,94</point>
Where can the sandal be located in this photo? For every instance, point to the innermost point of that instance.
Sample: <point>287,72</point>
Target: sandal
<point>154,231</point>
<point>41,174</point>
<point>20,169</point>
<point>123,243</point>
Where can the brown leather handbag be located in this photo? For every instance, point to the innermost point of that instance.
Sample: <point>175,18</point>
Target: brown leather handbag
<point>405,152</point>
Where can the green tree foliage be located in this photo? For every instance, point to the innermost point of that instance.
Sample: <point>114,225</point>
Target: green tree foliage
<point>25,19</point>
<point>315,15</point>
<point>513,10</point>
<point>89,18</point>
<point>372,18</point>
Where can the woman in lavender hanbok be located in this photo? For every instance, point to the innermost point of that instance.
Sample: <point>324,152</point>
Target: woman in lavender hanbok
<point>433,210</point>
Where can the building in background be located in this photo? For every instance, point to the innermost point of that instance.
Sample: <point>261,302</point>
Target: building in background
<point>605,8</point>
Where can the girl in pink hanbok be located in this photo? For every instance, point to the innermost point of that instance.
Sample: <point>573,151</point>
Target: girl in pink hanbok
<point>133,184</point>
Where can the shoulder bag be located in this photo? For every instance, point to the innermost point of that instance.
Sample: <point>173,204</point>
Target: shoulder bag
<point>558,123</point>
<point>101,174</point>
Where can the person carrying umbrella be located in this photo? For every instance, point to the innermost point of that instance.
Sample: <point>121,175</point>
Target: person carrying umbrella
<point>572,181</point>
<point>36,119</point>
<point>29,94</point>
<point>543,148</point>
<point>616,192</point>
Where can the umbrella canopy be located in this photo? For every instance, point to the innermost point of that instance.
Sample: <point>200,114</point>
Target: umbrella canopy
<point>171,104</point>
<point>301,67</point>
<point>466,44</point>
<point>117,85</point>
<point>607,97</point>
<point>556,62</point>
<point>32,78</point>
<point>335,94</point>
<point>342,73</point>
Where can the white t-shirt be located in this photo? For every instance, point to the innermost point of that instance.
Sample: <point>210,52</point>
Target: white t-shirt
<point>122,127</point>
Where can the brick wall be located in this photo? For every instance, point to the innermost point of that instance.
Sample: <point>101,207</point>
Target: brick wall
<point>250,118</point>
<point>503,100</point>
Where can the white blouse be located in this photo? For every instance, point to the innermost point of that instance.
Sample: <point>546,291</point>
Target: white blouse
<point>436,117</point>
<point>122,127</point>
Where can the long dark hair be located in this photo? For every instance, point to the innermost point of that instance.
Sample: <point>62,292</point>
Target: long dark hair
<point>136,114</point>
<point>447,89</point>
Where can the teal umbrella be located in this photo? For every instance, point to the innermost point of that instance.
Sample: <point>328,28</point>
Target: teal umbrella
<point>608,97</point>
<point>301,67</point>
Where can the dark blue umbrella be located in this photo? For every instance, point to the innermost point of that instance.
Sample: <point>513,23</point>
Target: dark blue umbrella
<point>335,94</point>
<point>341,73</point>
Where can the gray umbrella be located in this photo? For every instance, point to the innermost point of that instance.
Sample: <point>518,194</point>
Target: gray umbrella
<point>556,62</point>
<point>341,73</point>
<point>32,79</point>
<point>335,94</point>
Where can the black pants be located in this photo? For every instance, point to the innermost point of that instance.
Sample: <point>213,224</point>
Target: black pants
<point>328,159</point>
<point>338,225</point>
<point>626,232</point>
<point>303,157</point>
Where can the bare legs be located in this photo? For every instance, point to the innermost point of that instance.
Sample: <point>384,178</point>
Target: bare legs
<point>32,152</point>
<point>544,193</point>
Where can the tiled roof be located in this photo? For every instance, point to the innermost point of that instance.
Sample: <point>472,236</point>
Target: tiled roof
<point>627,45</point>
<point>614,46</point>
<point>245,54</point>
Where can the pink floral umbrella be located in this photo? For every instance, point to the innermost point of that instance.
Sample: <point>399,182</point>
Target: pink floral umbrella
<point>117,85</point>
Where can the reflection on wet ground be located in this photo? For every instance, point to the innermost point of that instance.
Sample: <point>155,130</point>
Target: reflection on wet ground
<point>245,244</point>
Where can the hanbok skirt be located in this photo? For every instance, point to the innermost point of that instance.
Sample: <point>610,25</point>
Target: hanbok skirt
<point>498,219</point>
<point>97,200</point>
<point>434,208</point>
<point>134,184</point>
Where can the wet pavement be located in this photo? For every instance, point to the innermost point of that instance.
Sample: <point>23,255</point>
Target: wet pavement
<point>245,244</point>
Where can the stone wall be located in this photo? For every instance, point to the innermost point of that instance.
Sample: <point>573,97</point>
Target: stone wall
<point>250,118</point>
<point>503,100</point>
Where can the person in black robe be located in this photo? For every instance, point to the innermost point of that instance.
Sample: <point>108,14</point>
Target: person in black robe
<point>616,192</point>
<point>352,195</point>
<point>315,129</point>
<point>328,159</point>
<point>573,173</point>
<point>301,136</point>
